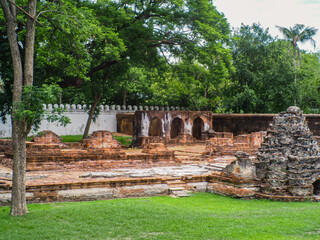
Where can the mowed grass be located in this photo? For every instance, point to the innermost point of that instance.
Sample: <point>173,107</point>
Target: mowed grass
<point>124,140</point>
<point>202,216</point>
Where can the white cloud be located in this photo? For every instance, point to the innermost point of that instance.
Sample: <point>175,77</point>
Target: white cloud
<point>285,13</point>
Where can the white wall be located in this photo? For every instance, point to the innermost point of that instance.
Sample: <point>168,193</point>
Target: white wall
<point>78,115</point>
<point>105,121</point>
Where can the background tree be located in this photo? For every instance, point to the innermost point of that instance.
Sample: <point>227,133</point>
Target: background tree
<point>191,85</point>
<point>299,33</point>
<point>151,32</point>
<point>308,83</point>
<point>261,82</point>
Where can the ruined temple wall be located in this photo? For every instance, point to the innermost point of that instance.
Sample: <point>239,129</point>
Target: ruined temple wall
<point>143,119</point>
<point>247,123</point>
<point>241,123</point>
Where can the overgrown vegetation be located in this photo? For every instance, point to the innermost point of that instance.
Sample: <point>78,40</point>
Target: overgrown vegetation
<point>124,140</point>
<point>203,216</point>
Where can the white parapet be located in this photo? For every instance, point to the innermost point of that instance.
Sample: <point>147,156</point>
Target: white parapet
<point>78,115</point>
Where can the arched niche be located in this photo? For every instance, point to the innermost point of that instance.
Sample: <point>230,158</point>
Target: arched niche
<point>176,127</point>
<point>155,129</point>
<point>316,187</point>
<point>197,128</point>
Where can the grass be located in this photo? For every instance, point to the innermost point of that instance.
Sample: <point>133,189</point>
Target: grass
<point>71,138</point>
<point>124,140</point>
<point>203,216</point>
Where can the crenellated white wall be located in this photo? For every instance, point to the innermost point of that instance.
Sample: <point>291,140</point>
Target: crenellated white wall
<point>78,115</point>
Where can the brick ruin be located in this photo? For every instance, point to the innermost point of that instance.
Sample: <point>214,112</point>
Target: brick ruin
<point>288,161</point>
<point>286,166</point>
<point>226,144</point>
<point>99,151</point>
<point>170,127</point>
<point>179,153</point>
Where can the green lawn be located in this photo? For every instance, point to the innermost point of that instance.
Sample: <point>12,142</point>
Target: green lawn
<point>124,140</point>
<point>203,216</point>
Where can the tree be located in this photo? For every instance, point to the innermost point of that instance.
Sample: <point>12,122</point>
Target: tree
<point>152,32</point>
<point>23,76</point>
<point>191,85</point>
<point>309,83</point>
<point>261,81</point>
<point>28,95</point>
<point>298,33</point>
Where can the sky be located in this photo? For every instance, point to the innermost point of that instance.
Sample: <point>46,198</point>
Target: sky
<point>284,13</point>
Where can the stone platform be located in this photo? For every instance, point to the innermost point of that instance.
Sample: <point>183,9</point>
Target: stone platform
<point>189,173</point>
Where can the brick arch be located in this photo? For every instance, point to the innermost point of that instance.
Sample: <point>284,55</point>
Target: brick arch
<point>316,187</point>
<point>177,127</point>
<point>155,128</point>
<point>197,128</point>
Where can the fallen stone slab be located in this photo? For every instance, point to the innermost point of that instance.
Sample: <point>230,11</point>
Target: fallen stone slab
<point>101,175</point>
<point>36,177</point>
<point>6,175</point>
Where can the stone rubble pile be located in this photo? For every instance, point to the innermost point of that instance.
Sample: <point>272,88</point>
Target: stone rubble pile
<point>288,161</point>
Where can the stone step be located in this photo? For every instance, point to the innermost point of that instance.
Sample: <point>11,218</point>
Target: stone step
<point>175,182</point>
<point>173,189</point>
<point>180,193</point>
<point>5,179</point>
<point>177,188</point>
<point>212,168</point>
<point>4,186</point>
<point>177,185</point>
<point>218,164</point>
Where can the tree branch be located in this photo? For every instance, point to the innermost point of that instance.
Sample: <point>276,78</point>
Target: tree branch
<point>26,13</point>
<point>42,12</point>
<point>167,42</point>
<point>101,67</point>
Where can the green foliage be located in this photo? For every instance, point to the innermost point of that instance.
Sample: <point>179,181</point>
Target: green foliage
<point>264,76</point>
<point>299,33</point>
<point>70,30</point>
<point>31,106</point>
<point>203,216</point>
<point>191,85</point>
<point>160,53</point>
<point>308,83</point>
<point>154,33</point>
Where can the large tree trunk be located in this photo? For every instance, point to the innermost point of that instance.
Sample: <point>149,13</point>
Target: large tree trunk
<point>29,44</point>
<point>19,128</point>
<point>18,195</point>
<point>90,117</point>
<point>294,56</point>
<point>195,104</point>
<point>124,100</point>
<point>299,56</point>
